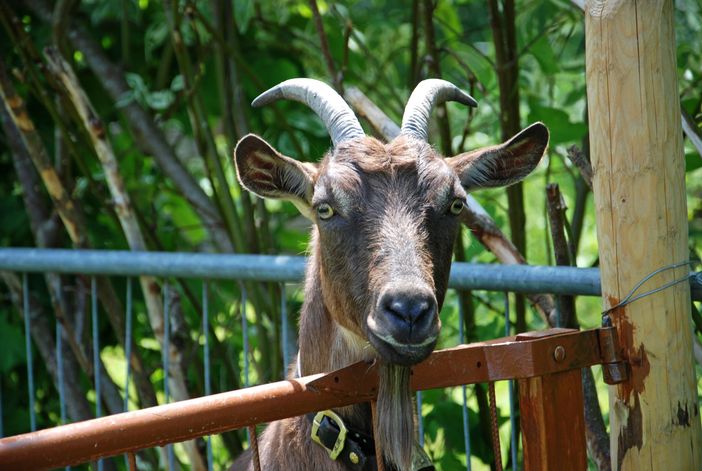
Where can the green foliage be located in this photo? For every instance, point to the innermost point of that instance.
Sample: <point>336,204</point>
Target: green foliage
<point>263,43</point>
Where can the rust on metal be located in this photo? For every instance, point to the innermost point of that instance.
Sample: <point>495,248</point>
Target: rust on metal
<point>614,369</point>
<point>524,356</point>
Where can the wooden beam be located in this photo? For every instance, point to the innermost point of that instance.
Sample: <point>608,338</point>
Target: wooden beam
<point>553,422</point>
<point>639,189</point>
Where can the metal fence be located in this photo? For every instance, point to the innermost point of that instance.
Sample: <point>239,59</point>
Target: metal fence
<point>280,269</point>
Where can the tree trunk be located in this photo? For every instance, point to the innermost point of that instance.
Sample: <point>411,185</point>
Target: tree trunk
<point>639,189</point>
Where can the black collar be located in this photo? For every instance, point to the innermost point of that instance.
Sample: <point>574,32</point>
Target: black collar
<point>352,447</point>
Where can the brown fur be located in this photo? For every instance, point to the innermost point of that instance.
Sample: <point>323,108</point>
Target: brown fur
<point>392,229</point>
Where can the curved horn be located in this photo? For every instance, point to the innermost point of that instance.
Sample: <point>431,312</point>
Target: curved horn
<point>337,116</point>
<point>426,95</point>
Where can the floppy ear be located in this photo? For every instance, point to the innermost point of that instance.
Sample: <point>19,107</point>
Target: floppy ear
<point>266,172</point>
<point>504,164</point>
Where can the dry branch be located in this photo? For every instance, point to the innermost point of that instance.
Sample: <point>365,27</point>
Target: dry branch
<point>324,45</point>
<point>77,405</point>
<point>562,251</point>
<point>147,135</point>
<point>73,220</point>
<point>121,201</point>
<point>595,430</point>
<point>692,132</point>
<point>581,161</point>
<point>368,110</point>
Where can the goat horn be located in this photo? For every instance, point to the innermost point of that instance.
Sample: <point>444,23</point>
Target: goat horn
<point>337,116</point>
<point>426,95</point>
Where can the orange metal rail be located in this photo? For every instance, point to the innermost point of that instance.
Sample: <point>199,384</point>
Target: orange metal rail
<point>547,363</point>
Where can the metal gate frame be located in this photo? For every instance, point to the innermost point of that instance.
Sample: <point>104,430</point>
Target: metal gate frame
<point>546,363</point>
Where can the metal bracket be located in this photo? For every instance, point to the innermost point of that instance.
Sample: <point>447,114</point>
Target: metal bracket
<point>614,368</point>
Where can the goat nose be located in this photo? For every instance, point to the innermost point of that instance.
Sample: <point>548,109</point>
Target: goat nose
<point>414,309</point>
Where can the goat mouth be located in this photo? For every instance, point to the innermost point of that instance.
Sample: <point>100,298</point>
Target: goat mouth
<point>401,354</point>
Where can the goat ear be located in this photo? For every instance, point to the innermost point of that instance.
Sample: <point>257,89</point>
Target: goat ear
<point>504,164</point>
<point>266,172</point>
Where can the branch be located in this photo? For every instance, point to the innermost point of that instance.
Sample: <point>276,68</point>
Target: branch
<point>581,161</point>
<point>77,405</point>
<point>150,288</point>
<point>366,109</point>
<point>71,216</point>
<point>595,430</point>
<point>61,18</point>
<point>324,45</point>
<point>435,70</point>
<point>692,131</point>
<point>43,339</point>
<point>147,135</point>
<point>562,251</point>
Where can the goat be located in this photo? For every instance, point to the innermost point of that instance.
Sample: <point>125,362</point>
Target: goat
<point>385,220</point>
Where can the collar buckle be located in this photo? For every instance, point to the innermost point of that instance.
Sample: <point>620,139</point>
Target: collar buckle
<point>335,451</point>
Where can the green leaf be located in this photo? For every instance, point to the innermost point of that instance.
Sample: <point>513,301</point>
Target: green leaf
<point>243,11</point>
<point>693,161</point>
<point>160,100</point>
<point>544,55</point>
<point>13,350</point>
<point>558,122</point>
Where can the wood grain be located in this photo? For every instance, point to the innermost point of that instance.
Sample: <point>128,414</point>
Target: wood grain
<point>639,189</point>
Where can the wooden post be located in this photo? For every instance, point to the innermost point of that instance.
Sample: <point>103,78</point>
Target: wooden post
<point>639,189</point>
<point>553,422</point>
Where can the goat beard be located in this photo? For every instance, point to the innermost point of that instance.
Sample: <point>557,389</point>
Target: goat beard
<point>395,415</point>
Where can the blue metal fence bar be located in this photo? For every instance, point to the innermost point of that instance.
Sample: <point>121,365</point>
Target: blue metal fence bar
<point>59,374</point>
<point>206,358</point>
<point>464,394</point>
<point>2,431</point>
<point>96,352</point>
<point>28,349</point>
<point>510,383</point>
<point>245,337</point>
<point>128,343</point>
<point>284,328</point>
<point>466,276</point>
<point>166,359</point>
<point>127,351</point>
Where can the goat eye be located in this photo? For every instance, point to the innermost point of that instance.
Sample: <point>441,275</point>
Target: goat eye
<point>324,211</point>
<point>456,206</point>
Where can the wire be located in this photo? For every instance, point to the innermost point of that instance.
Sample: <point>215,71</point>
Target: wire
<point>630,298</point>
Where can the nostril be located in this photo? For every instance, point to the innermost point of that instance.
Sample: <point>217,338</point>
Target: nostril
<point>411,309</point>
<point>397,308</point>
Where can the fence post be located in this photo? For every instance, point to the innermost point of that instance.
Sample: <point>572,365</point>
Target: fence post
<point>552,422</point>
<point>640,202</point>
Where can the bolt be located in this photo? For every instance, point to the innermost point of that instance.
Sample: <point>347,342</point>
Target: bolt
<point>559,354</point>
